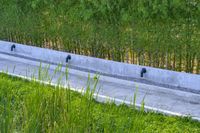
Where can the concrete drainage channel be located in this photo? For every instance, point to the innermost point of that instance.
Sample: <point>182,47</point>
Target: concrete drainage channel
<point>168,92</point>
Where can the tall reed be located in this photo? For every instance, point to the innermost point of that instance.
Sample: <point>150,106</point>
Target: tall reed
<point>158,33</point>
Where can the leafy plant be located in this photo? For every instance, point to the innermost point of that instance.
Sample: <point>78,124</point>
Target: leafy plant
<point>158,33</point>
<point>30,106</point>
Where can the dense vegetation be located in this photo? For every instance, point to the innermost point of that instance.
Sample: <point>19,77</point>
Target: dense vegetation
<point>33,107</point>
<point>159,33</point>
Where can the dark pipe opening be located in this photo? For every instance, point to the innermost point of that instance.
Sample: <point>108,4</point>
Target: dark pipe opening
<point>68,58</point>
<point>144,70</point>
<point>13,47</point>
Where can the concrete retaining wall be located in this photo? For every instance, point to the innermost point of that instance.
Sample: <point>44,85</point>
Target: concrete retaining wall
<point>129,71</point>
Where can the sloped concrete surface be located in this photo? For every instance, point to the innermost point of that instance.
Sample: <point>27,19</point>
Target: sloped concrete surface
<point>154,76</point>
<point>164,100</point>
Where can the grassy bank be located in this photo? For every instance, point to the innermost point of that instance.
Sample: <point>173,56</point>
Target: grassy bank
<point>159,33</point>
<point>32,107</point>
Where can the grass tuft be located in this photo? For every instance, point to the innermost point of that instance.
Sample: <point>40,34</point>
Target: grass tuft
<point>28,106</point>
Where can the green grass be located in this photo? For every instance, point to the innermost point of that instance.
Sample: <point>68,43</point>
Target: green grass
<point>159,33</point>
<point>34,107</point>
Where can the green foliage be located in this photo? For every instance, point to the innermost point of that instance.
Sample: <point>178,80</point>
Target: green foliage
<point>158,33</point>
<point>34,107</point>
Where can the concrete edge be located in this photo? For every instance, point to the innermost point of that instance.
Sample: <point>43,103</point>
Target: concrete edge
<point>156,76</point>
<point>102,77</point>
<point>103,98</point>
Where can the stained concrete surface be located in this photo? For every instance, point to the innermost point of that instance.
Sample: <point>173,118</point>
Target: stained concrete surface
<point>163,99</point>
<point>155,76</point>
